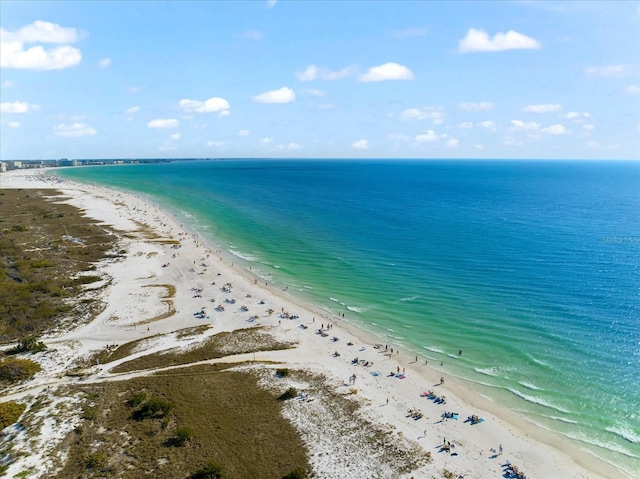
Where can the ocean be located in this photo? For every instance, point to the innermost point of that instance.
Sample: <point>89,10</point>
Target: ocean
<point>531,269</point>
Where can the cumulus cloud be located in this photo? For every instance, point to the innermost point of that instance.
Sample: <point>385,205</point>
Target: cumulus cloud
<point>104,63</point>
<point>308,74</point>
<point>13,53</point>
<point>546,108</point>
<point>481,106</point>
<point>8,84</point>
<point>75,130</point>
<point>451,143</point>
<point>593,144</point>
<point>555,130</point>
<point>283,95</point>
<point>465,125</point>
<point>433,113</point>
<point>520,125</point>
<point>271,3</point>
<point>360,144</point>
<point>479,41</point>
<point>312,72</point>
<point>207,106</point>
<point>175,136</point>
<point>293,146</point>
<point>428,137</point>
<point>14,124</point>
<point>387,71</point>
<point>133,109</point>
<point>17,107</point>
<point>159,123</point>
<point>587,127</point>
<point>266,140</point>
<point>632,90</point>
<point>243,133</point>
<point>488,124</point>
<point>607,71</point>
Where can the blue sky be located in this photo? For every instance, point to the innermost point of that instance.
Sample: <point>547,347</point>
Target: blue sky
<point>323,79</point>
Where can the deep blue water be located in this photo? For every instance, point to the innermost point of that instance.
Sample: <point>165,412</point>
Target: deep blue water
<point>531,268</point>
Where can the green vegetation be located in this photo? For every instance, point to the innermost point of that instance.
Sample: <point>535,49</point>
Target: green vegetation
<point>13,370</point>
<point>152,408</point>
<point>288,394</point>
<point>298,473</point>
<point>40,270</point>
<point>217,414</point>
<point>30,344</point>
<point>10,412</point>
<point>211,471</point>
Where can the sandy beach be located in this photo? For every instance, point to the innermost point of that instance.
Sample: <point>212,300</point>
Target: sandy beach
<point>389,385</point>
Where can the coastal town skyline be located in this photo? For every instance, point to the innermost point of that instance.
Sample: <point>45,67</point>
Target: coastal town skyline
<point>283,79</point>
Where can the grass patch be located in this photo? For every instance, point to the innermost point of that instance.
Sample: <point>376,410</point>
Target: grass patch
<point>218,346</point>
<point>228,420</point>
<point>40,269</point>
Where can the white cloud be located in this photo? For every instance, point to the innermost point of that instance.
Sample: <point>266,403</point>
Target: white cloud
<point>409,32</point>
<point>271,3</point>
<point>360,144</point>
<point>520,125</point>
<point>132,110</point>
<point>433,113</point>
<point>387,71</point>
<point>607,71</point>
<point>14,55</point>
<point>632,90</point>
<point>555,130</point>
<point>253,35</point>
<point>479,146</point>
<point>293,146</point>
<point>8,84</point>
<point>175,136</point>
<point>17,107</point>
<point>326,106</point>
<point>104,63</point>
<point>479,41</point>
<point>427,137</point>
<point>465,125</point>
<point>488,124</point>
<point>593,144</point>
<point>587,127</point>
<point>40,32</point>
<point>243,133</point>
<point>452,143</point>
<point>481,106</point>
<point>76,130</point>
<point>159,123</point>
<point>207,106</point>
<point>413,114</point>
<point>266,140</point>
<point>310,73</point>
<point>543,108</point>
<point>283,95</point>
<point>338,74</point>
<point>224,113</point>
<point>14,124</point>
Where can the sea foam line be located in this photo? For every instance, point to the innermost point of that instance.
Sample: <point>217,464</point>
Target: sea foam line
<point>624,433</point>
<point>538,401</point>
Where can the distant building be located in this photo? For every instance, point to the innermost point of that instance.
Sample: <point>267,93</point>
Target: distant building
<point>3,167</point>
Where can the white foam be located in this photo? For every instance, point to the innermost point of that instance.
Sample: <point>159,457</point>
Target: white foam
<point>538,401</point>
<point>625,433</point>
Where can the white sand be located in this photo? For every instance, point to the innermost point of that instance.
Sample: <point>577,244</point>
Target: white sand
<point>132,299</point>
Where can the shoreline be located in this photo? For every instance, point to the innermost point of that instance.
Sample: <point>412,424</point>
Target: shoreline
<point>538,452</point>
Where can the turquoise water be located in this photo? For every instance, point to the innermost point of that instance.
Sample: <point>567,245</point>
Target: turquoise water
<point>531,268</point>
